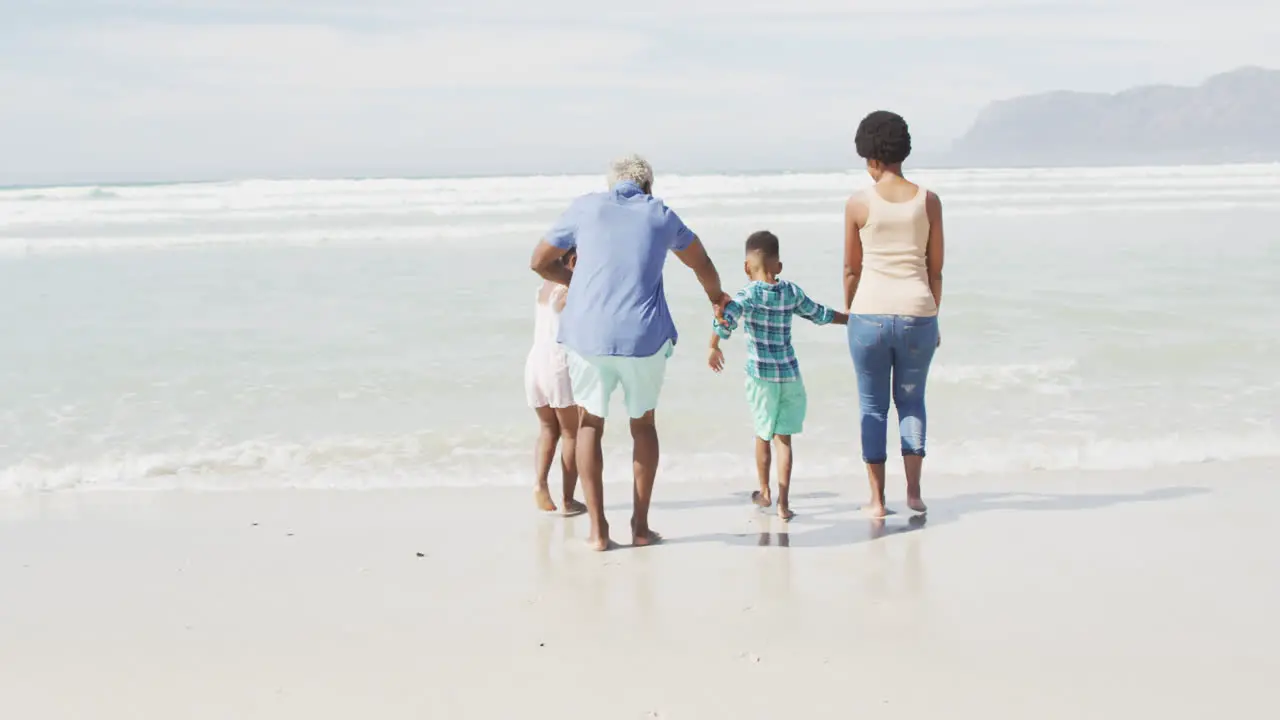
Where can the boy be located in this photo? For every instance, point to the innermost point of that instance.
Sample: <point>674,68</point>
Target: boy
<point>775,390</point>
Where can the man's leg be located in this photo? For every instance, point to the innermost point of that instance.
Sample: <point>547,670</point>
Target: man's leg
<point>641,380</point>
<point>593,382</point>
<point>644,461</point>
<point>590,456</point>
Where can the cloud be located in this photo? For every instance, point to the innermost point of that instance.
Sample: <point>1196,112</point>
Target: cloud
<point>218,87</point>
<point>308,57</point>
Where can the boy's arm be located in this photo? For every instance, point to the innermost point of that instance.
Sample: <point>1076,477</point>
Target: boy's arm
<point>715,359</point>
<point>732,311</point>
<point>815,312</point>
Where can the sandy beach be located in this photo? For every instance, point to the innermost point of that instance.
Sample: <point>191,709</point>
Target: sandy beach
<point>1045,595</point>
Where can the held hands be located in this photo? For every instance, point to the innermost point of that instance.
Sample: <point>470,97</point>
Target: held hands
<point>715,360</point>
<point>719,304</point>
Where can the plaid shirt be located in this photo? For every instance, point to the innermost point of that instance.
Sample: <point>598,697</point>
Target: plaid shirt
<point>765,311</point>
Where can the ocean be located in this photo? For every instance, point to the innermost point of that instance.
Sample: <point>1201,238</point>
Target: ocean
<point>372,333</point>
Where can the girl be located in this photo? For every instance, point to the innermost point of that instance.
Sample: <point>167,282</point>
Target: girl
<point>550,394</point>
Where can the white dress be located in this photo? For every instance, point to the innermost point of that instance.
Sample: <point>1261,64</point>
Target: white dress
<point>546,371</point>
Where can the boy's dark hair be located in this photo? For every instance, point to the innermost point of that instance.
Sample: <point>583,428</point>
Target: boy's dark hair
<point>763,242</point>
<point>883,136</point>
<point>568,255</point>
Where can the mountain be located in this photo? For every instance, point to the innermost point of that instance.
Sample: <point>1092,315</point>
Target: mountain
<point>1232,117</point>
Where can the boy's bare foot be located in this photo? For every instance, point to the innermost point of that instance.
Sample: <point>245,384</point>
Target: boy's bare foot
<point>646,538</point>
<point>784,512</point>
<point>761,498</point>
<point>600,544</point>
<point>643,536</point>
<point>876,511</point>
<point>573,508</point>
<point>917,505</point>
<point>542,497</point>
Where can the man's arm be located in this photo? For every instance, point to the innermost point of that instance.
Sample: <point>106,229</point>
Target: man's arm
<point>722,328</point>
<point>934,251</point>
<point>547,263</point>
<point>695,257</point>
<point>853,211</point>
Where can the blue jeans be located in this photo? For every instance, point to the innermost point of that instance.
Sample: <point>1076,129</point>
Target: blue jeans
<point>891,354</point>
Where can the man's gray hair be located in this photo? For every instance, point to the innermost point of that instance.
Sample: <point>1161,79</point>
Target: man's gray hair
<point>632,168</point>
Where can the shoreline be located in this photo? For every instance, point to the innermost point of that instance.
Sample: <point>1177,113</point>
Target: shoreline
<point>1067,595</point>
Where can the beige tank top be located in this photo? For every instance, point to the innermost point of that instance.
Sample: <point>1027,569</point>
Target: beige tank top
<point>895,279</point>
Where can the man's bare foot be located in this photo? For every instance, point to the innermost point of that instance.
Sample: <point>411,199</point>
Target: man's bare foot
<point>542,497</point>
<point>573,508</point>
<point>917,505</point>
<point>875,510</point>
<point>784,512</point>
<point>761,498</point>
<point>601,544</point>
<point>646,538</point>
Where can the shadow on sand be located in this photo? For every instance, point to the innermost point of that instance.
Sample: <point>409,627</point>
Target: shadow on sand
<point>842,524</point>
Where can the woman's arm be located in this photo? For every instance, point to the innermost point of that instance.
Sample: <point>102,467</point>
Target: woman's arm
<point>853,219</point>
<point>934,252</point>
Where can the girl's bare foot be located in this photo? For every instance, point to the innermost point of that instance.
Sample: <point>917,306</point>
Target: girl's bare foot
<point>917,505</point>
<point>784,512</point>
<point>876,511</point>
<point>761,498</point>
<point>542,497</point>
<point>573,508</point>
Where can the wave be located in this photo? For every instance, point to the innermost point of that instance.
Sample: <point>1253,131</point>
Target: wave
<point>1050,376</point>
<point>415,461</point>
<point>370,212</point>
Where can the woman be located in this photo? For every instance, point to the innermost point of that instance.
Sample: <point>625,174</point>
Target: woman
<point>550,394</point>
<point>893,252</point>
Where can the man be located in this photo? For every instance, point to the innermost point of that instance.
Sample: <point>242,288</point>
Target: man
<point>616,327</point>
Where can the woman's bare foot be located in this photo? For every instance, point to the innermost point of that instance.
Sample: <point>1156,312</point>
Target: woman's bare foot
<point>573,508</point>
<point>542,497</point>
<point>784,512</point>
<point>917,505</point>
<point>761,498</point>
<point>876,511</point>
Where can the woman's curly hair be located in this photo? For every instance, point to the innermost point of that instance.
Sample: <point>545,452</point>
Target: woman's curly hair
<point>883,136</point>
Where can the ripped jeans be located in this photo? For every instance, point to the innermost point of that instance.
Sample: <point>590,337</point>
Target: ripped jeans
<point>891,354</point>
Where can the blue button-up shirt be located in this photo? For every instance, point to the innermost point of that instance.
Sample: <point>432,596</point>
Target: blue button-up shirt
<point>616,304</point>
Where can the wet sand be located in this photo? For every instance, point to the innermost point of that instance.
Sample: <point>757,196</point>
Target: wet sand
<point>1045,595</point>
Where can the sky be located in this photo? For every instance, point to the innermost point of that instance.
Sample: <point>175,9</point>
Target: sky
<point>151,90</point>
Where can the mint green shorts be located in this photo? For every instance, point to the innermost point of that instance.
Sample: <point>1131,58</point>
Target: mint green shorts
<point>777,408</point>
<point>595,378</point>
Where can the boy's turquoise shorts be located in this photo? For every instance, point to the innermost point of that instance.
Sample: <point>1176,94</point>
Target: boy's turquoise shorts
<point>777,408</point>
